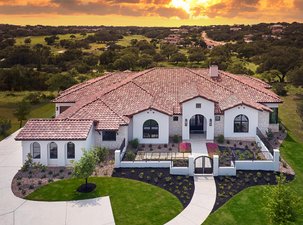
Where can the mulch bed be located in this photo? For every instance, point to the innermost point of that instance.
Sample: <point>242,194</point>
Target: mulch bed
<point>181,186</point>
<point>26,182</point>
<point>86,188</point>
<point>228,186</point>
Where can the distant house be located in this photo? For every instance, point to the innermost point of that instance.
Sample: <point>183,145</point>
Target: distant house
<point>173,39</point>
<point>152,106</point>
<point>235,28</point>
<point>248,38</point>
<point>277,29</point>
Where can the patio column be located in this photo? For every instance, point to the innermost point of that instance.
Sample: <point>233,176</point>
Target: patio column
<point>117,159</point>
<point>276,160</point>
<point>191,165</point>
<point>216,165</point>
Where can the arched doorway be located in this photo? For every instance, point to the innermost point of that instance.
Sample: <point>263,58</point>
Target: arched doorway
<point>203,165</point>
<point>197,124</point>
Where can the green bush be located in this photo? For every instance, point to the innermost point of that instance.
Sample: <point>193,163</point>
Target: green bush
<point>130,156</point>
<point>33,98</point>
<point>5,125</point>
<point>282,205</point>
<point>279,88</point>
<point>101,153</point>
<point>176,139</point>
<point>220,139</point>
<point>134,143</point>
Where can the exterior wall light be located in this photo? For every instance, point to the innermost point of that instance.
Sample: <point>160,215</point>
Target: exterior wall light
<point>210,122</point>
<point>185,122</point>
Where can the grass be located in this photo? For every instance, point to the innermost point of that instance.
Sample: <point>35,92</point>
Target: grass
<point>248,65</point>
<point>55,49</point>
<point>8,106</point>
<point>246,207</point>
<point>133,202</point>
<point>126,39</point>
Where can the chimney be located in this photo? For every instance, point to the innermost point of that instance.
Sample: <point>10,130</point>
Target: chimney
<point>213,71</point>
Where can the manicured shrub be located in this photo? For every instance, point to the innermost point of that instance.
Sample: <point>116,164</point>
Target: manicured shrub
<point>176,139</point>
<point>101,153</point>
<point>134,143</point>
<point>220,139</point>
<point>130,156</point>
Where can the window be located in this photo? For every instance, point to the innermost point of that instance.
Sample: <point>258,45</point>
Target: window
<point>241,124</point>
<point>198,105</point>
<point>150,129</point>
<point>175,118</point>
<point>70,150</point>
<point>53,150</point>
<point>217,118</point>
<point>109,135</point>
<point>36,150</point>
<point>63,108</point>
<point>273,116</point>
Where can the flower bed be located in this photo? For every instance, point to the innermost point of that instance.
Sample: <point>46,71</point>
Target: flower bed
<point>185,147</point>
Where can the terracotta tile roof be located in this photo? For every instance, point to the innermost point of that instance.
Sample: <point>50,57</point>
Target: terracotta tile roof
<point>44,129</point>
<point>111,100</point>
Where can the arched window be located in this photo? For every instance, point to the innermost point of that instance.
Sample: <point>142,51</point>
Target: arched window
<point>53,150</point>
<point>36,150</point>
<point>241,124</point>
<point>70,150</point>
<point>150,129</point>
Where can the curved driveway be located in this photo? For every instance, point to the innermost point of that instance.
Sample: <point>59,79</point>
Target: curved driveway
<point>17,211</point>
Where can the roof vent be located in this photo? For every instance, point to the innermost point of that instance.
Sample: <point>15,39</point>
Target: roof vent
<point>213,71</point>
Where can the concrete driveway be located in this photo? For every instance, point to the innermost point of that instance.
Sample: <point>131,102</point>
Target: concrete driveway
<point>17,211</point>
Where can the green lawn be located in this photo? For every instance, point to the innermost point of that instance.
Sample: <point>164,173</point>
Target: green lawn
<point>126,39</point>
<point>246,207</point>
<point>248,65</point>
<point>133,202</point>
<point>8,106</point>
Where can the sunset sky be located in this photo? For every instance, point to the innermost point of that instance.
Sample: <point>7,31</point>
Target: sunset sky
<point>149,12</point>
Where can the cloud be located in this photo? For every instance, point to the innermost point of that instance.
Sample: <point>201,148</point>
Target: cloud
<point>230,9</point>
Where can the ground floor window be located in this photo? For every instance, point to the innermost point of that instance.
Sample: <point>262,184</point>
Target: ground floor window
<point>70,150</point>
<point>109,135</point>
<point>273,116</point>
<point>36,150</point>
<point>241,124</point>
<point>150,129</point>
<point>53,150</point>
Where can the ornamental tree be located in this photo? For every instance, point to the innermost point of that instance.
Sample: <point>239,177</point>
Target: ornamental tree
<point>281,203</point>
<point>86,165</point>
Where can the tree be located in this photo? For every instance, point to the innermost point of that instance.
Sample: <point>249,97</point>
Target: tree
<point>107,57</point>
<point>125,62</point>
<point>271,75</point>
<point>295,76</point>
<point>60,81</point>
<point>5,125</point>
<point>196,55</point>
<point>281,203</point>
<point>178,57</point>
<point>168,50</point>
<point>72,36</point>
<point>22,111</point>
<point>145,61</point>
<point>239,68</point>
<point>86,165</point>
<point>280,58</point>
<point>51,40</point>
<point>27,41</point>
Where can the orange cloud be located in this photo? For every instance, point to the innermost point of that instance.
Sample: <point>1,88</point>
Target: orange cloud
<point>176,11</point>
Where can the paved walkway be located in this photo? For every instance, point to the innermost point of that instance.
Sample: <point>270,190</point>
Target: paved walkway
<point>200,205</point>
<point>17,211</point>
<point>198,145</point>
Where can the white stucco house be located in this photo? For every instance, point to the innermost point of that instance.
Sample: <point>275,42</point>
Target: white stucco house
<point>152,106</point>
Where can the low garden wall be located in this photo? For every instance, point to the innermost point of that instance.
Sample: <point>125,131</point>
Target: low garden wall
<point>264,149</point>
<point>265,165</point>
